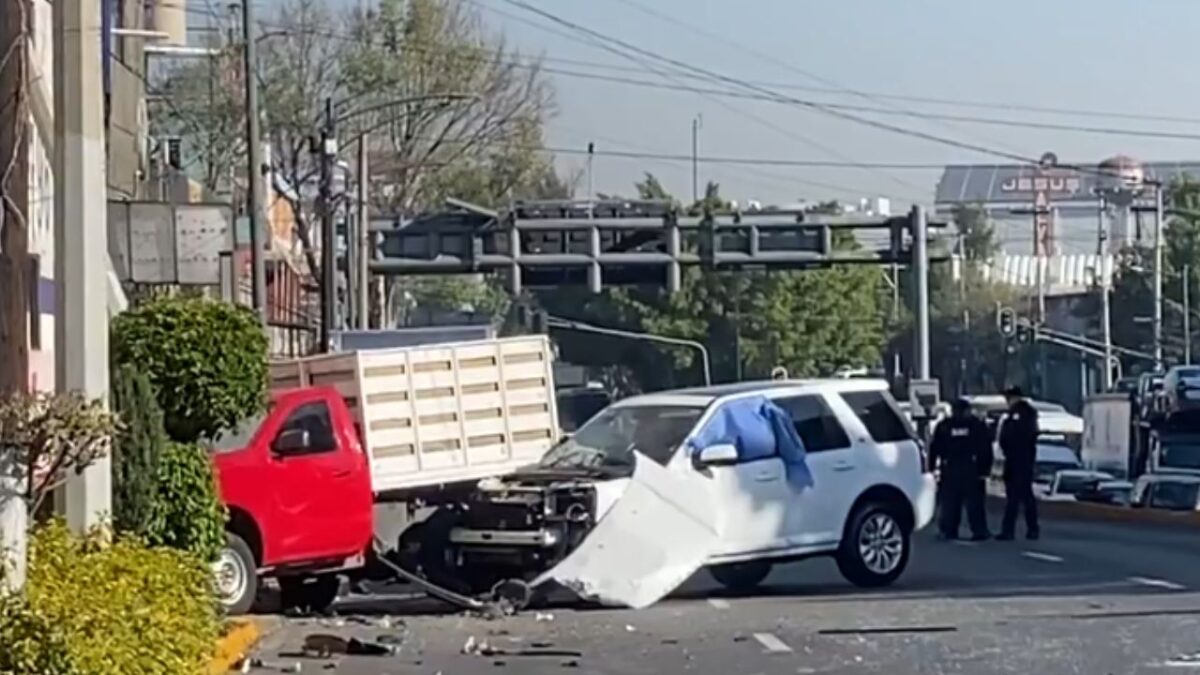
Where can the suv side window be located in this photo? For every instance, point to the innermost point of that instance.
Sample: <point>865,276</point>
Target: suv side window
<point>878,415</point>
<point>315,419</point>
<point>816,424</point>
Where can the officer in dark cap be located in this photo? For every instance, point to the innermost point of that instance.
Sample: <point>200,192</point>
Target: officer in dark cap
<point>1018,441</point>
<point>962,452</point>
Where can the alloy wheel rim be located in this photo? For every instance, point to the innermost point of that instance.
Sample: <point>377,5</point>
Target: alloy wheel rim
<point>880,543</point>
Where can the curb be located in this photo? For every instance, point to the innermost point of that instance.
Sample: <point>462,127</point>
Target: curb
<point>233,645</point>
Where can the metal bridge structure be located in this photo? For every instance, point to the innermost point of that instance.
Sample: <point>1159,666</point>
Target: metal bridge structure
<point>539,244</point>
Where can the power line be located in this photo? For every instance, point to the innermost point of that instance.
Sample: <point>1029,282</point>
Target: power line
<point>884,126</point>
<point>603,43</point>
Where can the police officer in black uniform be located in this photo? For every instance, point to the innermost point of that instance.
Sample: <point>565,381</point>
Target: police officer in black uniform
<point>962,451</point>
<point>1018,441</point>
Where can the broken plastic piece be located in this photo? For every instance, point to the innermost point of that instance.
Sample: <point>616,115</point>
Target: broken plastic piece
<point>658,534</point>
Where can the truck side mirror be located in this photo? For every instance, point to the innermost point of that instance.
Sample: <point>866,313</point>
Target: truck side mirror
<point>292,442</point>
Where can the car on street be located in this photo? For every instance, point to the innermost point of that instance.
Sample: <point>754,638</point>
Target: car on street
<point>1169,492</point>
<point>1068,484</point>
<point>1181,389</point>
<point>639,471</point>
<point>1111,492</point>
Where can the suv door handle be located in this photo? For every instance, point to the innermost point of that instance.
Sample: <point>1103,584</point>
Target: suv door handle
<point>843,466</point>
<point>766,476</point>
<point>343,473</point>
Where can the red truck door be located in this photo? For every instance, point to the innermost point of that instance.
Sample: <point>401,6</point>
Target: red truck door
<point>321,484</point>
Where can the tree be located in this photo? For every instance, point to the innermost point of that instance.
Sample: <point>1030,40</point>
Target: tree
<point>1133,284</point>
<point>207,359</point>
<point>51,437</point>
<point>450,109</point>
<point>136,449</point>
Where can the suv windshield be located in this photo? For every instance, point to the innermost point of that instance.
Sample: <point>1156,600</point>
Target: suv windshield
<point>611,437</point>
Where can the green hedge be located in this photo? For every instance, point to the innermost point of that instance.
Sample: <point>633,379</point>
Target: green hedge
<point>119,609</point>
<point>187,512</point>
<point>207,359</point>
<point>136,449</point>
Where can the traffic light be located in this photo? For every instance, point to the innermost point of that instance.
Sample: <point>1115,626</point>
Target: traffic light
<point>1026,333</point>
<point>1006,322</point>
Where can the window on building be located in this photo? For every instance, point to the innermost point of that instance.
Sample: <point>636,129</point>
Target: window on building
<point>35,305</point>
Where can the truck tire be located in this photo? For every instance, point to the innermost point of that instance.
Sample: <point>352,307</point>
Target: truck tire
<point>742,576</point>
<point>236,575</point>
<point>875,547</point>
<point>309,595</point>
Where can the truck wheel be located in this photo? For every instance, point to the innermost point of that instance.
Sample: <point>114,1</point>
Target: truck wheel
<point>741,576</point>
<point>236,575</point>
<point>875,547</point>
<point>309,595</point>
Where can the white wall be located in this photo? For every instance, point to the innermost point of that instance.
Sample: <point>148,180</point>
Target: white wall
<point>41,197</point>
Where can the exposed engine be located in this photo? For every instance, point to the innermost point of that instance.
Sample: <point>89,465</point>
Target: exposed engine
<point>512,528</point>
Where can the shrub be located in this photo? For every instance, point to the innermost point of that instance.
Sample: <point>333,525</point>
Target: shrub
<point>187,513</point>
<point>207,359</point>
<point>124,608</point>
<point>31,645</point>
<point>50,436</point>
<point>135,450</point>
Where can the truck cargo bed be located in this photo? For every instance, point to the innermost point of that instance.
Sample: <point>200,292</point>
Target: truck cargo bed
<point>442,413</point>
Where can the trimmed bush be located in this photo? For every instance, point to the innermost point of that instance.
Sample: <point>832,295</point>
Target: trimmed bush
<point>30,643</point>
<point>123,608</point>
<point>207,359</point>
<point>188,514</point>
<point>136,450</point>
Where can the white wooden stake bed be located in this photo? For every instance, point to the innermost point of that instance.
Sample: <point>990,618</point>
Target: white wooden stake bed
<point>444,413</point>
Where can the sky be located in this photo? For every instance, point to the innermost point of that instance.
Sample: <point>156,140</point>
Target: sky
<point>1099,56</point>
<point>1129,57</point>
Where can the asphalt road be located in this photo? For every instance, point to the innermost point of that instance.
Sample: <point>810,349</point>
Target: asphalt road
<point>1087,598</point>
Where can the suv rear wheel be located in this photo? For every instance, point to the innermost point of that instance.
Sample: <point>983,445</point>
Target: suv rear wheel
<point>741,576</point>
<point>876,546</point>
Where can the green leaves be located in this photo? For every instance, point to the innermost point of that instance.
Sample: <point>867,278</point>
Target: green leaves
<point>118,609</point>
<point>53,436</point>
<point>186,512</point>
<point>136,449</point>
<point>207,360</point>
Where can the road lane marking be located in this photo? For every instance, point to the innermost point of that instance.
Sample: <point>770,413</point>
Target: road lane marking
<point>719,603</point>
<point>962,542</point>
<point>1158,583</point>
<point>1044,557</point>
<point>772,644</point>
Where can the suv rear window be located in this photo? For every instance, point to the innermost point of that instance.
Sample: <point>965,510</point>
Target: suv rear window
<point>878,415</point>
<point>817,425</point>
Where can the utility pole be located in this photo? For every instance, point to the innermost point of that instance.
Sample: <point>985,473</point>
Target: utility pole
<point>1105,291</point>
<point>920,253</point>
<point>328,152</point>
<point>1187,315</point>
<point>14,191</point>
<point>1158,276</point>
<point>14,266</point>
<point>81,237</point>
<point>363,284</point>
<point>591,156</point>
<point>254,199</point>
<point>696,159</point>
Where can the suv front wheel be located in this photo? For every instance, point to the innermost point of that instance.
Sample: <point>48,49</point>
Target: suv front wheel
<point>876,546</point>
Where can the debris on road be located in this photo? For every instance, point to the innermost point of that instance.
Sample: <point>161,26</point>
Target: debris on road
<point>542,617</point>
<point>324,645</point>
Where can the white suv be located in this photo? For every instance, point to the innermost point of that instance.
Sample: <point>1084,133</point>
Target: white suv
<point>869,494</point>
<point>628,508</point>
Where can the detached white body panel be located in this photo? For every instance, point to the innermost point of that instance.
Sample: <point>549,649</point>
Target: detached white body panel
<point>442,413</point>
<point>656,535</point>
